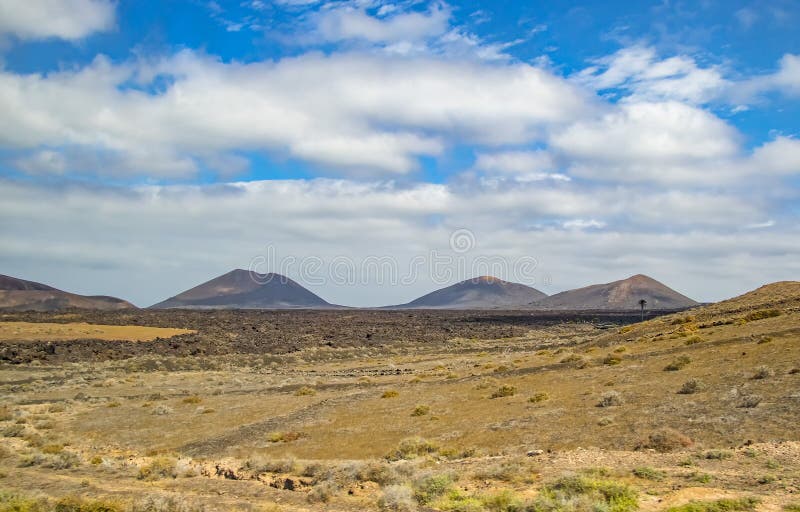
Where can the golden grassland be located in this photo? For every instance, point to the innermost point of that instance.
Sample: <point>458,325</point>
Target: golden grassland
<point>696,411</point>
<point>80,330</point>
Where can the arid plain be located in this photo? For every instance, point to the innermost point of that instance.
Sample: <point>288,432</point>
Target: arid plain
<point>404,410</point>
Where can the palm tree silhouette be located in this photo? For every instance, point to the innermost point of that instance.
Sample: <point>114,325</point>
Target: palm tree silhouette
<point>642,304</point>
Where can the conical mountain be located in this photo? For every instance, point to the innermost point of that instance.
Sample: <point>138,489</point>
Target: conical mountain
<point>21,295</point>
<point>242,289</point>
<point>619,295</point>
<point>478,293</point>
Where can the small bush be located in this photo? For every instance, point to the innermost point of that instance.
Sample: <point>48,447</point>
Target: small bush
<point>538,397</point>
<point>648,473</point>
<point>390,394</point>
<point>322,492</point>
<point>75,504</point>
<point>612,360</point>
<point>397,498</point>
<point>750,401</point>
<point>504,391</point>
<point>678,364</point>
<point>284,437</point>
<point>158,468</point>
<point>162,410</point>
<point>690,387</point>
<point>761,315</point>
<point>421,410</point>
<point>586,494</point>
<point>192,400</point>
<point>611,399</point>
<point>726,505</point>
<point>717,454</point>
<point>665,440</point>
<point>504,472</point>
<point>763,372</point>
<point>305,391</point>
<point>431,486</point>
<point>15,430</point>
<point>412,447</point>
<point>693,340</point>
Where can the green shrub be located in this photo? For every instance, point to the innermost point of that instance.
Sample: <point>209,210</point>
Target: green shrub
<point>648,473</point>
<point>726,505</point>
<point>429,487</point>
<point>592,494</point>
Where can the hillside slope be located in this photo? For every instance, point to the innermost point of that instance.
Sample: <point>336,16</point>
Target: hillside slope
<point>22,295</point>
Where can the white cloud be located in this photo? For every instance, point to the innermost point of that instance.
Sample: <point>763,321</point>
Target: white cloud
<point>96,240</point>
<point>63,19</point>
<point>521,165</point>
<point>361,113</point>
<point>780,156</point>
<point>645,77</point>
<point>666,142</point>
<point>345,22</point>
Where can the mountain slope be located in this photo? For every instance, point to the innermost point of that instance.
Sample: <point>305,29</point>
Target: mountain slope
<point>242,289</point>
<point>21,295</point>
<point>619,295</point>
<point>478,293</point>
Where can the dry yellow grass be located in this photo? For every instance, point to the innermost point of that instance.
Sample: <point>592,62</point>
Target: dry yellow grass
<point>21,331</point>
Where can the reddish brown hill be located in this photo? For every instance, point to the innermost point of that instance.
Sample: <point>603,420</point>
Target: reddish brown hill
<point>21,295</point>
<point>242,289</point>
<point>619,295</point>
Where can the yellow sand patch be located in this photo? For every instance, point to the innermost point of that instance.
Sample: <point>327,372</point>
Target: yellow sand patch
<point>20,331</point>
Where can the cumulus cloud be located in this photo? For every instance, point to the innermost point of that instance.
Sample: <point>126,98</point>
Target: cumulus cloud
<point>359,113</point>
<point>63,19</point>
<point>643,76</point>
<point>668,142</point>
<point>347,21</point>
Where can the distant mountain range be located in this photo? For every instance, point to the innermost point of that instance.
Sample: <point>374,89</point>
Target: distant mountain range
<point>21,295</point>
<point>478,293</point>
<point>242,289</point>
<point>619,295</point>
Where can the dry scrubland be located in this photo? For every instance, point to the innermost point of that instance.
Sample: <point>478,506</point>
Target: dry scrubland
<point>694,411</point>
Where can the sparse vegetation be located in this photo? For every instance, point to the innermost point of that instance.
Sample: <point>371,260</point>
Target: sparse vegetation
<point>763,372</point>
<point>648,473</point>
<point>421,410</point>
<point>725,505</point>
<point>504,391</point>
<point>411,448</point>
<point>157,469</point>
<point>391,393</point>
<point>538,397</point>
<point>611,399</point>
<point>665,440</point>
<point>305,391</point>
<point>679,363</point>
<point>690,387</point>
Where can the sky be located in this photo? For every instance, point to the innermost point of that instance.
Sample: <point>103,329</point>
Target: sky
<point>376,150</point>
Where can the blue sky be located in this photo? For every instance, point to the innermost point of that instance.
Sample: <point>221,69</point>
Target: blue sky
<point>163,143</point>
